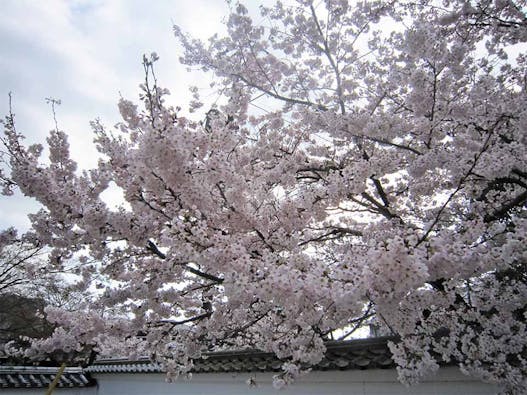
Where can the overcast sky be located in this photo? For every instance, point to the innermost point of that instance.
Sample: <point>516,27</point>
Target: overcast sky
<point>87,53</point>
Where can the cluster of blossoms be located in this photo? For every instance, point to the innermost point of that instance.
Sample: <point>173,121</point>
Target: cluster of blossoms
<point>387,183</point>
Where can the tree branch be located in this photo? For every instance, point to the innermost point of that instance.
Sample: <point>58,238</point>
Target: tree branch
<point>153,248</point>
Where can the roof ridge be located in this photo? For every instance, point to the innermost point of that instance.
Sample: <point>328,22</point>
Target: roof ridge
<point>340,355</point>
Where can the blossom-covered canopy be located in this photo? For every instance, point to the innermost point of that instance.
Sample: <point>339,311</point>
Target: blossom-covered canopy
<point>367,165</point>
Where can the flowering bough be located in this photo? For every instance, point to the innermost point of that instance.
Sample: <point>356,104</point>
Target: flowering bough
<point>387,181</point>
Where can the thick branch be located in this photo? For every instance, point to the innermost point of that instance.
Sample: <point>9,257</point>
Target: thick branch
<point>500,213</point>
<point>153,248</point>
<point>379,207</point>
<point>278,96</point>
<point>332,63</point>
<point>334,233</point>
<point>381,191</point>
<point>186,321</point>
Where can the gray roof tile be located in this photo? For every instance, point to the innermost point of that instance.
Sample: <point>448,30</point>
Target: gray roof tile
<point>40,377</point>
<point>354,354</point>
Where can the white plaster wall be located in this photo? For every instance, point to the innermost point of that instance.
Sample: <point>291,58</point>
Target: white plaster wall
<point>378,382</point>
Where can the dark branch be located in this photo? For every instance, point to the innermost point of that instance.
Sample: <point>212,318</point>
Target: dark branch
<point>153,248</point>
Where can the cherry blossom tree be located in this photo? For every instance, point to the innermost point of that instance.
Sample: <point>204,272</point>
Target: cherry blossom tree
<point>19,261</point>
<point>368,163</point>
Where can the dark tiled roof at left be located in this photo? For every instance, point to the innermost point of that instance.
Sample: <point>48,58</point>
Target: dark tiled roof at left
<point>41,377</point>
<point>348,355</point>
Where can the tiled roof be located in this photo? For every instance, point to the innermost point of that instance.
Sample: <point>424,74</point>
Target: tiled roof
<point>354,354</point>
<point>41,377</point>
